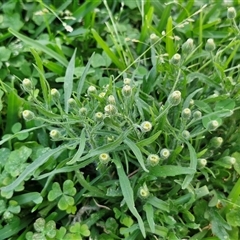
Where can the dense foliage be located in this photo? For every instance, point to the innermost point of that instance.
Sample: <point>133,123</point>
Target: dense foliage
<point>119,120</point>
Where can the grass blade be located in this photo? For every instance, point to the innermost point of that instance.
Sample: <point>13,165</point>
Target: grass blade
<point>68,81</point>
<point>169,38</point>
<point>37,45</point>
<point>148,208</point>
<point>128,194</point>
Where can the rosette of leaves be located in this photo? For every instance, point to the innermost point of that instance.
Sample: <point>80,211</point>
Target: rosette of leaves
<point>43,230</point>
<point>65,195</point>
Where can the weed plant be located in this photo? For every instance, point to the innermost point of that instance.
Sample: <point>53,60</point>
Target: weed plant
<point>119,120</point>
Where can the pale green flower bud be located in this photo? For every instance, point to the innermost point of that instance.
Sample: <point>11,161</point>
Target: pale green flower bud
<point>175,98</point>
<point>83,111</point>
<point>186,113</point>
<point>216,142</point>
<point>144,192</point>
<point>153,160</point>
<point>27,84</point>
<point>104,158</point>
<point>110,109</point>
<point>99,116</point>
<point>111,99</point>
<point>92,90</point>
<point>210,45</point>
<point>127,81</point>
<point>231,13</point>
<point>176,59</point>
<point>55,134</point>
<point>28,115</point>
<point>55,94</point>
<point>72,103</point>
<point>186,134</point>
<point>188,46</point>
<point>102,94</point>
<point>126,91</point>
<point>201,163</point>
<point>226,162</point>
<point>212,126</point>
<point>197,114</point>
<point>165,153</point>
<point>146,126</point>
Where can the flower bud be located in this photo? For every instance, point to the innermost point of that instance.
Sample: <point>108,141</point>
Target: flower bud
<point>72,103</point>
<point>55,94</point>
<point>201,163</point>
<point>226,162</point>
<point>146,126</point>
<point>187,47</point>
<point>186,134</point>
<point>153,160</point>
<point>55,134</point>
<point>175,60</point>
<point>126,91</point>
<point>231,13</point>
<point>144,192</point>
<point>186,113</point>
<point>175,98</point>
<point>197,115</point>
<point>213,125</point>
<point>102,94</point>
<point>210,45</point>
<point>164,153</point>
<point>216,142</point>
<point>110,109</point>
<point>104,158</point>
<point>127,81</point>
<point>91,90</point>
<point>28,115</point>
<point>111,99</point>
<point>99,116</point>
<point>110,139</point>
<point>27,84</point>
<point>83,111</point>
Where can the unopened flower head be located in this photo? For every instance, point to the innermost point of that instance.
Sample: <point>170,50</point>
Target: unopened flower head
<point>55,134</point>
<point>175,98</point>
<point>111,99</point>
<point>210,45</point>
<point>127,81</point>
<point>146,126</point>
<point>186,134</point>
<point>212,125</point>
<point>201,162</point>
<point>28,115</point>
<point>99,116</point>
<point>144,192</point>
<point>55,94</point>
<point>153,160</point>
<point>83,111</point>
<point>110,109</point>
<point>197,114</point>
<point>165,153</point>
<point>231,13</point>
<point>188,46</point>
<point>126,91</point>
<point>27,84</point>
<point>102,94</point>
<point>104,158</point>
<point>92,90</point>
<point>175,60</point>
<point>186,113</point>
<point>72,103</point>
<point>216,142</point>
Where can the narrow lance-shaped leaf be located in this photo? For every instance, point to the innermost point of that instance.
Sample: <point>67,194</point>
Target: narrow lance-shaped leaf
<point>68,81</point>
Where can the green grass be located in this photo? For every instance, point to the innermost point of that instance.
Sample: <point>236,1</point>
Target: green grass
<point>119,120</point>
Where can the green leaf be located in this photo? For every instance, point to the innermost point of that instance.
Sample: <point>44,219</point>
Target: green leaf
<point>65,201</point>
<point>31,168</point>
<point>227,104</point>
<point>128,194</point>
<point>4,54</point>
<point>233,217</point>
<point>136,152</point>
<point>68,81</point>
<point>148,141</point>
<point>39,224</point>
<point>148,208</point>
<point>169,38</point>
<point>28,198</point>
<point>158,203</point>
<point>55,192</point>
<point>50,229</point>
<point>37,45</point>
<point>68,188</point>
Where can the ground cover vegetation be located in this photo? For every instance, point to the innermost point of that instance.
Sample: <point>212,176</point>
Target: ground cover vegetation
<point>119,119</point>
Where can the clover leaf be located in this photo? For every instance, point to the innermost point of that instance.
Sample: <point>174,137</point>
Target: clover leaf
<point>77,230</point>
<point>44,229</point>
<point>66,196</point>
